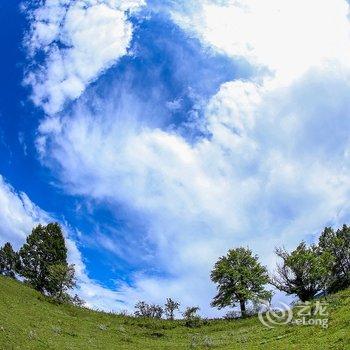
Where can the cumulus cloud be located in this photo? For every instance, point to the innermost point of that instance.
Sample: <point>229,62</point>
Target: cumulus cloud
<point>287,37</point>
<point>18,215</point>
<point>274,170</point>
<point>79,40</point>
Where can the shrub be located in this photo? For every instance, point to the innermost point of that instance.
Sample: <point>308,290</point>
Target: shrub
<point>192,319</point>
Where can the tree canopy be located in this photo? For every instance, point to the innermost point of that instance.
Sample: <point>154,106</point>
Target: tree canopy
<point>337,243</point>
<point>44,247</point>
<point>304,271</point>
<point>239,277</point>
<point>8,260</point>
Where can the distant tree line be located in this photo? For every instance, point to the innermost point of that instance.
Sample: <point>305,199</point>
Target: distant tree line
<point>190,314</point>
<point>42,263</point>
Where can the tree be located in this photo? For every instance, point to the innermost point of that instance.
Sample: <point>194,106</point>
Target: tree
<point>148,310</point>
<point>142,309</point>
<point>303,272</point>
<point>44,247</point>
<point>156,311</point>
<point>61,278</point>
<point>191,312</point>
<point>8,261</point>
<point>338,245</point>
<point>170,307</point>
<point>240,278</point>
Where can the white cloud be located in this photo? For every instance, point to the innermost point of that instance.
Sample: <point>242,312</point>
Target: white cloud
<point>288,37</point>
<point>274,171</point>
<point>18,215</point>
<point>80,39</point>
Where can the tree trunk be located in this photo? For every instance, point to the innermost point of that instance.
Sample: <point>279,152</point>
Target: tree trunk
<point>243,309</point>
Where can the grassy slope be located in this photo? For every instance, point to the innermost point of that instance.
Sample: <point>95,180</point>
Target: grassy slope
<point>29,321</point>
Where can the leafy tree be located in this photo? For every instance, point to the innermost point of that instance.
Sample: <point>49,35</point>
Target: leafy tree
<point>61,278</point>
<point>8,261</point>
<point>304,271</point>
<point>191,312</point>
<point>148,310</point>
<point>240,278</point>
<point>156,311</point>
<point>170,307</point>
<point>44,247</point>
<point>142,309</point>
<point>338,245</point>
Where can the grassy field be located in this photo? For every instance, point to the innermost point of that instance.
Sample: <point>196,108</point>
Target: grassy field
<point>30,321</point>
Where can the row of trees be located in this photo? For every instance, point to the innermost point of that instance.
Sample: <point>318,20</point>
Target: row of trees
<point>305,272</point>
<point>190,314</point>
<point>42,263</point>
<point>156,311</point>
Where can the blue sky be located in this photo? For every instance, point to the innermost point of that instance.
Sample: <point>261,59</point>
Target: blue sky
<point>161,134</point>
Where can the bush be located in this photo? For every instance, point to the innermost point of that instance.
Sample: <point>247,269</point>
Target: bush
<point>232,315</point>
<point>192,319</point>
<point>193,322</point>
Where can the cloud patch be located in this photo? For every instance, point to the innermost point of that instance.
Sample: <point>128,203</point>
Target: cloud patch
<point>286,37</point>
<point>79,40</point>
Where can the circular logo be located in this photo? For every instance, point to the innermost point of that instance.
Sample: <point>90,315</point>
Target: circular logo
<point>271,317</point>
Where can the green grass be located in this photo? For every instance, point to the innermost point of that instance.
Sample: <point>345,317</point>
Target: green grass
<point>30,321</point>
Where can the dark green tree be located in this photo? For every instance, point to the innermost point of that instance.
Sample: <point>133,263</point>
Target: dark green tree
<point>61,278</point>
<point>303,272</point>
<point>8,261</point>
<point>338,245</point>
<point>240,278</point>
<point>44,247</point>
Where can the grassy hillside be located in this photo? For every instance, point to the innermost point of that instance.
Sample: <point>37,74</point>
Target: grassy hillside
<point>29,321</point>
